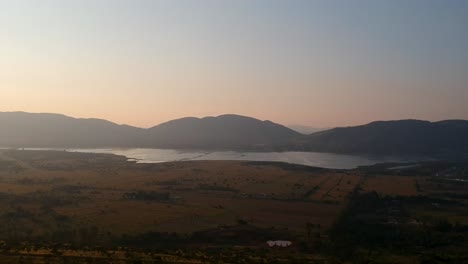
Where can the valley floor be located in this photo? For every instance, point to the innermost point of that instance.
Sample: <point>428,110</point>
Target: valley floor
<point>58,206</point>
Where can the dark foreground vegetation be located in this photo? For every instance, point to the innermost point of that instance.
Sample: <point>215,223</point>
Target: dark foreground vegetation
<point>374,227</point>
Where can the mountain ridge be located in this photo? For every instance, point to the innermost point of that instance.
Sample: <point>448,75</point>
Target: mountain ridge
<point>410,136</point>
<point>19,129</point>
<point>235,132</point>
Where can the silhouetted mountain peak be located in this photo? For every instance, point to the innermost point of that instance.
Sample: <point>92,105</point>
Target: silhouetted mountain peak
<point>394,137</point>
<point>227,131</point>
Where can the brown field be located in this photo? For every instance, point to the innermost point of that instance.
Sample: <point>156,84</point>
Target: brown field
<point>391,185</point>
<point>204,194</point>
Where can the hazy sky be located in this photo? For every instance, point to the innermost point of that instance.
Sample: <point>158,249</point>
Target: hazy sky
<point>320,63</point>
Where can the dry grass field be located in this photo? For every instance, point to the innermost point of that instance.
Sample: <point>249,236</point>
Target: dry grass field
<point>91,188</point>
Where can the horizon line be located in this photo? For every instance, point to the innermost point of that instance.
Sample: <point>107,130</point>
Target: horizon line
<point>227,114</point>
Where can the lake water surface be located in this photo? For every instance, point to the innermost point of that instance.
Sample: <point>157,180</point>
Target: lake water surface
<point>325,160</point>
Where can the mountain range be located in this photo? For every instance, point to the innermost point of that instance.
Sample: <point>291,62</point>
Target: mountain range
<point>234,132</point>
<point>19,129</point>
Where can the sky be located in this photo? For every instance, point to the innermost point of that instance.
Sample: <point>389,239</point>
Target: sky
<point>320,63</point>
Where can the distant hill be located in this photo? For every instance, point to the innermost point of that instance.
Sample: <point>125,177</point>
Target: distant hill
<point>306,129</point>
<point>409,137</point>
<point>19,129</point>
<point>222,132</point>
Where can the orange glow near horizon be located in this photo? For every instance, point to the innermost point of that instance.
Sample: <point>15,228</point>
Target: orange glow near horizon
<point>313,63</point>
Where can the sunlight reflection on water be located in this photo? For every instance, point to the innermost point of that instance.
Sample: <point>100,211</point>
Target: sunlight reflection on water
<point>325,160</point>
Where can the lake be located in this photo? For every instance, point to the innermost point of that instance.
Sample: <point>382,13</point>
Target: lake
<point>325,160</point>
